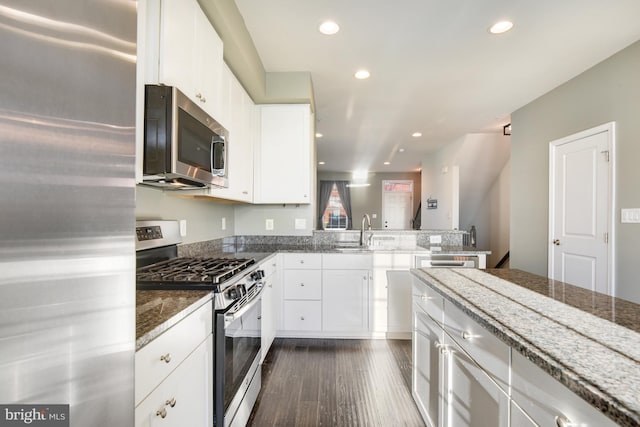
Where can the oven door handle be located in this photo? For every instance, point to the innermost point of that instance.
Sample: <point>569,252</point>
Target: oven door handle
<point>231,317</point>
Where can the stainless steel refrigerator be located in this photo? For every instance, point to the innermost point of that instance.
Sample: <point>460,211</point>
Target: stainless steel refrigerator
<point>67,195</point>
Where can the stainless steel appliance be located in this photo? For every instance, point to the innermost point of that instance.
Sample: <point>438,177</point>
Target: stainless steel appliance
<point>184,147</point>
<point>67,151</point>
<point>434,260</point>
<point>237,287</point>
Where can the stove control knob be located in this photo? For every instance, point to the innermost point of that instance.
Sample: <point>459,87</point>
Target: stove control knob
<point>233,293</point>
<point>257,275</point>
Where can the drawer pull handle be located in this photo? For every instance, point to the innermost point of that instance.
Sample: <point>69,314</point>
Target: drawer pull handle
<point>301,261</point>
<point>442,347</point>
<point>301,284</point>
<point>162,413</point>
<point>425,297</point>
<point>166,357</point>
<point>301,317</point>
<point>466,336</point>
<point>562,421</point>
<point>171,402</point>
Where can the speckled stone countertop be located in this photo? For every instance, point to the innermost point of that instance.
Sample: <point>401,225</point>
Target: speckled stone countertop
<point>157,311</point>
<point>595,358</point>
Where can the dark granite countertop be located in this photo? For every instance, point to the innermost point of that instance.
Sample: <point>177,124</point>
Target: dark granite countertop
<point>157,311</point>
<point>587,341</point>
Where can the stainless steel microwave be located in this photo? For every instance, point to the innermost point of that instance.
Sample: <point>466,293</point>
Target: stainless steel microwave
<point>184,147</point>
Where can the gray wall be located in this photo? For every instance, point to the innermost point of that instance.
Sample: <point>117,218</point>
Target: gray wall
<point>610,91</point>
<point>204,216</point>
<point>369,199</point>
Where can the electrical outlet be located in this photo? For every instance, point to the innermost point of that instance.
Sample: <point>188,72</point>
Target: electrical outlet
<point>301,224</point>
<point>183,227</point>
<point>435,239</point>
<point>224,223</point>
<point>630,216</point>
<point>268,224</point>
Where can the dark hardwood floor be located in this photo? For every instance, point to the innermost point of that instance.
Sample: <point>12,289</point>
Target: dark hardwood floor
<point>327,382</point>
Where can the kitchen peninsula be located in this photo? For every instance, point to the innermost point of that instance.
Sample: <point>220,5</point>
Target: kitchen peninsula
<point>550,343</point>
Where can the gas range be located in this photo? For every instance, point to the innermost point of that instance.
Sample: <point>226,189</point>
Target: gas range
<point>191,273</point>
<point>158,267</point>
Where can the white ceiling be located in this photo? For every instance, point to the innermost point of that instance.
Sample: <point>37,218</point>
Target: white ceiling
<point>434,66</point>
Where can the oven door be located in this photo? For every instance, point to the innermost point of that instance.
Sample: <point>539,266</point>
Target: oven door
<point>237,353</point>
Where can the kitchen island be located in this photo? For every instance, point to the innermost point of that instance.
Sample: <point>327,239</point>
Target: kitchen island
<point>587,342</point>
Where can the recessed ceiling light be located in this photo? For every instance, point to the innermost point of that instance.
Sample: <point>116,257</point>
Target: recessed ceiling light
<point>416,134</point>
<point>319,135</point>
<point>387,163</point>
<point>321,163</point>
<point>329,28</point>
<point>401,150</point>
<point>501,27</point>
<point>362,74</point>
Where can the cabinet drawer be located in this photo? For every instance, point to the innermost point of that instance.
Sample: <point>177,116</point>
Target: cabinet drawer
<point>189,389</point>
<point>302,261</point>
<point>428,300</point>
<point>303,284</point>
<point>270,266</point>
<point>543,398</point>
<point>484,347</point>
<point>155,361</point>
<point>302,315</point>
<point>347,261</point>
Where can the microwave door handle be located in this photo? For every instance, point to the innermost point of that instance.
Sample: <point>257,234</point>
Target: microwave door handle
<point>212,152</point>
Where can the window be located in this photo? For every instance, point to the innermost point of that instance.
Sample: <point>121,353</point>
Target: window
<point>335,216</point>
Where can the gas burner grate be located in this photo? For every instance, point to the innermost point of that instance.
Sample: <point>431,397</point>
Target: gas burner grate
<point>184,271</point>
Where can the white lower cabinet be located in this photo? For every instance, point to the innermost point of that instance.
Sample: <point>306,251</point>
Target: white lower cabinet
<point>544,400</point>
<point>185,397</point>
<point>345,300</point>
<point>271,303</point>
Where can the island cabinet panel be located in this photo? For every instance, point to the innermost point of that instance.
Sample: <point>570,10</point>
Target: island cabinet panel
<point>428,366</point>
<point>544,400</point>
<point>482,346</point>
<point>472,397</point>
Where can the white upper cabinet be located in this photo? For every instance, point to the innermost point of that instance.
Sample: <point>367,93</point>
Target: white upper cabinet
<point>184,50</point>
<point>239,120</point>
<point>284,171</point>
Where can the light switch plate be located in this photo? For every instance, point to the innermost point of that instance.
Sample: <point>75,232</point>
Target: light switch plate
<point>268,224</point>
<point>183,227</point>
<point>630,215</point>
<point>301,223</point>
<point>435,239</point>
<point>224,223</point>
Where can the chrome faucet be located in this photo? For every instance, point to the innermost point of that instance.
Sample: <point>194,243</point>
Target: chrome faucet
<point>368,219</point>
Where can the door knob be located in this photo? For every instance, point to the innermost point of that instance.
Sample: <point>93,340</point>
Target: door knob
<point>556,242</point>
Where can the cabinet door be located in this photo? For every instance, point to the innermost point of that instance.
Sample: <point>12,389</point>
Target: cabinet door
<point>240,144</point>
<point>184,398</point>
<point>208,67</point>
<point>472,398</point>
<point>543,398</point>
<point>427,384</point>
<point>284,172</point>
<point>271,308</point>
<point>399,301</point>
<point>345,299</point>
<point>176,45</point>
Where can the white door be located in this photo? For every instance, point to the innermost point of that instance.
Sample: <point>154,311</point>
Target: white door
<point>580,200</point>
<point>397,204</point>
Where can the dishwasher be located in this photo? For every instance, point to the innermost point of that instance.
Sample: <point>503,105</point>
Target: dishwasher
<point>446,261</point>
